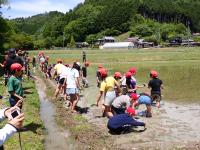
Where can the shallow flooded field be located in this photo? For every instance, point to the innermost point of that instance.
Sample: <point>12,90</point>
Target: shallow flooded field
<point>176,124</point>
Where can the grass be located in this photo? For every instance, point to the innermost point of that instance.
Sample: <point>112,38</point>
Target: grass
<point>34,137</point>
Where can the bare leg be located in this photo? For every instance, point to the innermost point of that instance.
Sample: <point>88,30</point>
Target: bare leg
<point>108,111</point>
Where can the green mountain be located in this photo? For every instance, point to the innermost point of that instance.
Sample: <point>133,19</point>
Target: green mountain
<point>154,20</point>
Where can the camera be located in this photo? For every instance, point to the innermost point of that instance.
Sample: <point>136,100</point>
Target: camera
<point>14,113</point>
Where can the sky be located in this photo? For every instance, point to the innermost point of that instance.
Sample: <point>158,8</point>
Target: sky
<point>26,8</point>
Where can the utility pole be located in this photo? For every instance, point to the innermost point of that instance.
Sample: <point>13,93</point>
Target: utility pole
<point>188,23</point>
<point>63,39</point>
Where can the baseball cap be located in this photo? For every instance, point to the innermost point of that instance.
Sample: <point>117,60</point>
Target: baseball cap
<point>134,96</point>
<point>59,61</point>
<point>118,75</point>
<point>103,72</point>
<point>128,74</point>
<point>12,50</point>
<point>133,70</point>
<point>100,66</point>
<point>154,73</point>
<point>130,111</point>
<point>16,67</point>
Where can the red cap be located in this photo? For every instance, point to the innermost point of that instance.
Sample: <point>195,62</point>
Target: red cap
<point>87,64</point>
<point>118,75</point>
<point>103,72</point>
<point>47,57</point>
<point>133,70</point>
<point>100,66</point>
<point>59,61</point>
<point>128,74</point>
<point>16,67</point>
<point>130,111</point>
<point>154,73</point>
<point>134,96</point>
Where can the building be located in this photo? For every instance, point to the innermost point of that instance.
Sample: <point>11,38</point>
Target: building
<point>106,39</point>
<point>117,45</point>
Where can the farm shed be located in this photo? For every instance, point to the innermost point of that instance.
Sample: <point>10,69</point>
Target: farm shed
<point>118,45</point>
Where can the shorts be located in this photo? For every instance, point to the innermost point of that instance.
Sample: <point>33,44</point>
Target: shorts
<point>72,91</point>
<point>12,101</point>
<point>156,97</point>
<point>117,111</point>
<point>109,98</point>
<point>61,81</point>
<point>144,100</point>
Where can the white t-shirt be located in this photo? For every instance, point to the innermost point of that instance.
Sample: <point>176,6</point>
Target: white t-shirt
<point>64,72</point>
<point>42,60</point>
<point>122,101</point>
<point>71,78</point>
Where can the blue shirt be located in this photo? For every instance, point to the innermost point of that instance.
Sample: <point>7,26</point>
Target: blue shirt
<point>123,120</point>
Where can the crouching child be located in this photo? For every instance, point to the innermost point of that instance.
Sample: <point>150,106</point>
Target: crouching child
<point>123,123</point>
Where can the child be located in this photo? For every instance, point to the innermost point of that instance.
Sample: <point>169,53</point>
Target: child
<point>143,98</point>
<point>120,104</point>
<point>122,123</point>
<point>155,85</point>
<point>84,74</point>
<point>15,85</point>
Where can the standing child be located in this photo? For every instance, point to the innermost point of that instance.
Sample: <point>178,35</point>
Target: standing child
<point>15,84</point>
<point>155,85</point>
<point>84,74</point>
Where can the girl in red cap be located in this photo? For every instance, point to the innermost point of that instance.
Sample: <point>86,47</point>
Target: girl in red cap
<point>107,89</point>
<point>155,85</point>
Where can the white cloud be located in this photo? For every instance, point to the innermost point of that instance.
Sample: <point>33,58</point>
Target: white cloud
<point>24,8</point>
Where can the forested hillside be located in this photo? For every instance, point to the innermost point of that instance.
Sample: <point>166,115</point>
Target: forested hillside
<point>154,20</point>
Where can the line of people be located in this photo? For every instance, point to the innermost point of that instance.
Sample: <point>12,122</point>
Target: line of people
<point>68,77</point>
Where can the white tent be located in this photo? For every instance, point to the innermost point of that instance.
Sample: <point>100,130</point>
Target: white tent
<point>118,45</point>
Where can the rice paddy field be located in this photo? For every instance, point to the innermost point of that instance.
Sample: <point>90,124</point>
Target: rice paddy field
<point>179,68</point>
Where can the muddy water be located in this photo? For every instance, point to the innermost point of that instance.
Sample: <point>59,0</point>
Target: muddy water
<point>56,138</point>
<point>174,125</point>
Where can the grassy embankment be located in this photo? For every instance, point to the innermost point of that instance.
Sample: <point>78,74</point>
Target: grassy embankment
<point>34,137</point>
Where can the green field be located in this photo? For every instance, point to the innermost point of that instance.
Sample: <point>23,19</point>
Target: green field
<point>179,68</point>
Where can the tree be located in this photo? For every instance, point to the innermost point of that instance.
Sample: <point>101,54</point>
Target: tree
<point>72,41</point>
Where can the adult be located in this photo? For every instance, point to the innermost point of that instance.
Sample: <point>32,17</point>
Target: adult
<point>12,58</point>
<point>123,123</point>
<point>84,56</point>
<point>155,85</point>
